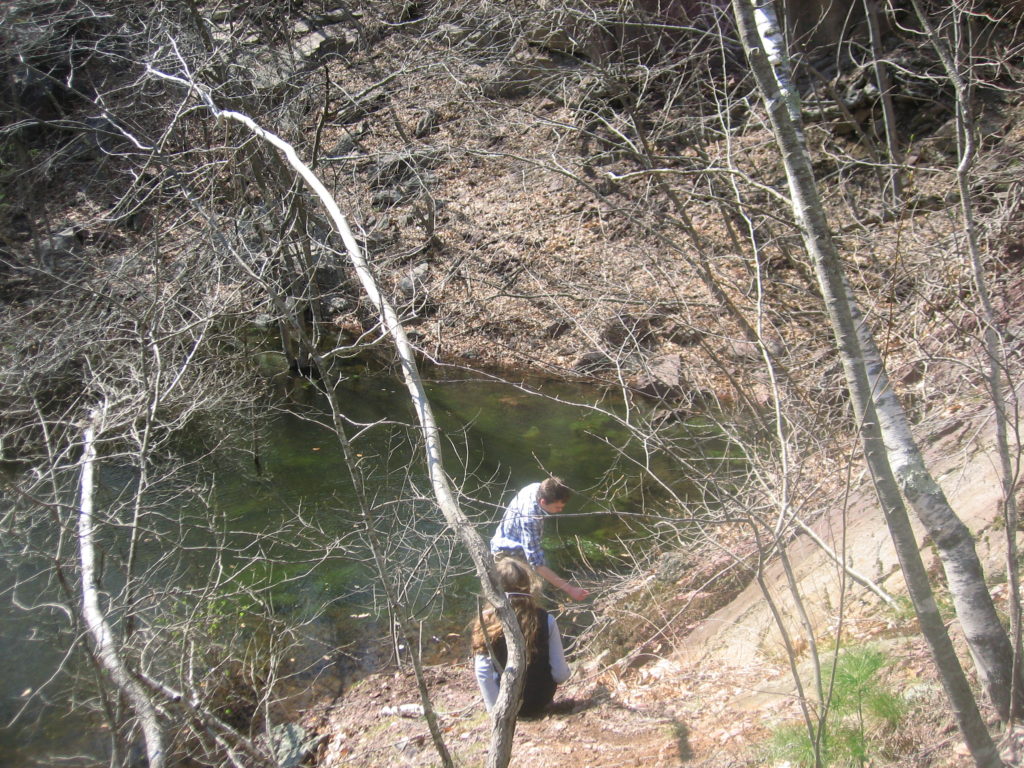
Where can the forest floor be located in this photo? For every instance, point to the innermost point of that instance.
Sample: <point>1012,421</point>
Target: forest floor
<point>712,694</point>
<point>708,713</point>
<point>717,684</point>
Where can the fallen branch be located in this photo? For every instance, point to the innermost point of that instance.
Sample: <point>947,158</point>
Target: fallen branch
<point>95,621</point>
<point>513,679</point>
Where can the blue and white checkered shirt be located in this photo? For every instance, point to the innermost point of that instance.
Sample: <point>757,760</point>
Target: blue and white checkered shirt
<point>521,528</point>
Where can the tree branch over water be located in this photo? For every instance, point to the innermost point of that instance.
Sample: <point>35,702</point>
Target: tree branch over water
<point>514,677</point>
<point>92,613</point>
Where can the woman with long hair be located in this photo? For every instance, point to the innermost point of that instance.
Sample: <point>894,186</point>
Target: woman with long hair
<point>546,666</point>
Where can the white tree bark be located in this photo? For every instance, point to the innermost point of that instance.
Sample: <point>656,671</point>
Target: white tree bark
<point>874,407</point>
<point>1003,686</point>
<point>513,678</point>
<point>102,636</point>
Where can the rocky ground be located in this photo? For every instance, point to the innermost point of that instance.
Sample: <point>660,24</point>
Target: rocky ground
<point>708,693</point>
<point>667,713</point>
<point>530,268</point>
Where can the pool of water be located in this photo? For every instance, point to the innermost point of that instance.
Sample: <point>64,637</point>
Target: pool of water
<point>286,475</point>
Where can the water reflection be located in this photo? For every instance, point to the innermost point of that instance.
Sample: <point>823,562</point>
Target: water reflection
<point>286,476</point>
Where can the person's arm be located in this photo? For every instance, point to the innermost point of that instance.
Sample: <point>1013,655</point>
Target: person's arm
<point>552,578</point>
<point>556,655</point>
<point>486,679</point>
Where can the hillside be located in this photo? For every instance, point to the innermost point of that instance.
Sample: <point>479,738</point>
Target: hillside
<point>555,261</point>
<point>712,688</point>
<point>586,191</point>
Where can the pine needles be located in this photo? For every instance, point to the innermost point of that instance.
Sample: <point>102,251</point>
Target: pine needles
<point>861,712</point>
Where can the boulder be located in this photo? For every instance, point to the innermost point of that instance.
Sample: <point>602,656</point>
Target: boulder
<point>58,248</point>
<point>593,362</point>
<point>314,45</point>
<point>413,291</point>
<point>661,377</point>
<point>529,72</point>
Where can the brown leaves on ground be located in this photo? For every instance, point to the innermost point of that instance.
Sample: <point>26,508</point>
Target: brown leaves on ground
<point>662,714</point>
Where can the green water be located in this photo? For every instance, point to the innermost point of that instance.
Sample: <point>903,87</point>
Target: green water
<point>499,437</point>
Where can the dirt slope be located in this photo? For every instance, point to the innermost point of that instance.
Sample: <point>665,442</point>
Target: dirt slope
<point>712,697</point>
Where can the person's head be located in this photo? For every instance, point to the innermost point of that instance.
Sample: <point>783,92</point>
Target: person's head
<point>553,495</point>
<point>520,581</point>
<point>515,576</point>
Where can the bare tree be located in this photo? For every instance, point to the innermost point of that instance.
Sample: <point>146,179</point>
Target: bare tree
<point>875,405</point>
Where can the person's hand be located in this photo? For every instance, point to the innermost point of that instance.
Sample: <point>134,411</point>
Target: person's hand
<point>576,593</point>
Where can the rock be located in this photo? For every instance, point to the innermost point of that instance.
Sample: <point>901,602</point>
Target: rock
<point>59,246</point>
<point>527,73</point>
<point>403,710</point>
<point>744,351</point>
<point>35,92</point>
<point>384,199</point>
<point>673,566</point>
<point>426,125</point>
<point>413,283</point>
<point>399,167</point>
<point>412,288</point>
<point>347,144</point>
<point>349,328</point>
<point>357,110</point>
<point>910,373</point>
<point>593,362</point>
<point>291,743</point>
<point>662,377</point>
<point>664,416</point>
<point>264,321</point>
<point>629,330</point>
<point>318,44</point>
<point>451,34</point>
<point>557,329</point>
<point>20,227</point>
<point>684,335</point>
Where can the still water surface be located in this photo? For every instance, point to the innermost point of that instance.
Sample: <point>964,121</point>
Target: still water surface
<point>500,437</point>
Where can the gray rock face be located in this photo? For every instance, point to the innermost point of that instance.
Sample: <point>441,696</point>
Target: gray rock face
<point>60,247</point>
<point>673,566</point>
<point>662,377</point>
<point>413,290</point>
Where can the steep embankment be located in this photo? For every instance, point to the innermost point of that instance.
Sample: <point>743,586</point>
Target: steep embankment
<point>556,247</point>
<point>712,688</point>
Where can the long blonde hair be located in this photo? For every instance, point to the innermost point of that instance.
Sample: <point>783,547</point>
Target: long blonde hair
<point>520,582</point>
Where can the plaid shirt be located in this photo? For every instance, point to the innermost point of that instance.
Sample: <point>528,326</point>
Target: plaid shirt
<point>521,527</point>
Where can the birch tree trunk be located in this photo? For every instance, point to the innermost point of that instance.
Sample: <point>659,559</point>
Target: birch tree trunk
<point>1009,686</point>
<point>506,707</point>
<point>874,407</point>
<point>102,636</point>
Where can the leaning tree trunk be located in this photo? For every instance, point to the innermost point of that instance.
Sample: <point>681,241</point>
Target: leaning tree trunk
<point>513,678</point>
<point>763,45</point>
<point>104,645</point>
<point>987,639</point>
<point>1010,686</point>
